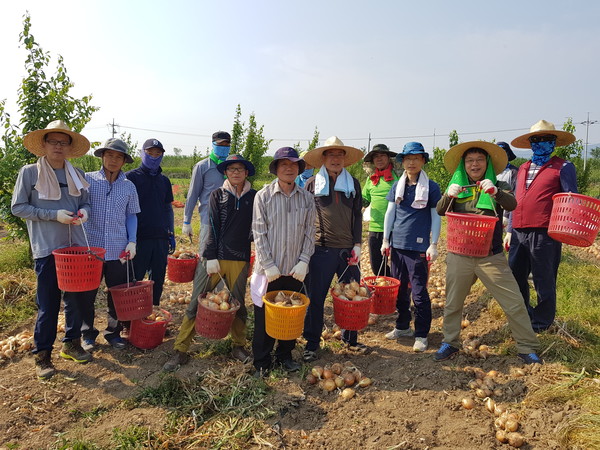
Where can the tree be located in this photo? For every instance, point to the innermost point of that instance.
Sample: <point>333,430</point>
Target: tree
<point>177,151</point>
<point>595,152</point>
<point>41,99</point>
<point>453,138</point>
<point>573,152</point>
<point>249,142</point>
<point>237,132</point>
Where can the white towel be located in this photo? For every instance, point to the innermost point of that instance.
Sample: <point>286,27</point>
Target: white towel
<point>421,191</point>
<point>344,183</point>
<point>47,184</point>
<point>258,288</point>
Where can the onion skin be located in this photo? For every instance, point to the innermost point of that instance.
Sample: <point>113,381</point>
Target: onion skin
<point>317,371</point>
<point>336,368</point>
<point>501,436</point>
<point>311,379</point>
<point>347,393</point>
<point>515,440</point>
<point>327,373</point>
<point>349,379</point>
<point>339,381</point>
<point>468,403</point>
<point>511,425</point>
<point>328,385</point>
<point>364,382</point>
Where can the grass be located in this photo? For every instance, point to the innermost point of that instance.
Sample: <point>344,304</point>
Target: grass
<point>14,255</point>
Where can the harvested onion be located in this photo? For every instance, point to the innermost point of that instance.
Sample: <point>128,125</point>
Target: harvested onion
<point>468,403</point>
<point>347,393</point>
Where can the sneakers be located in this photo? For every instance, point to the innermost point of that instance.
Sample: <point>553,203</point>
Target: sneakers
<point>240,353</point>
<point>178,359</point>
<point>358,348</point>
<point>446,351</point>
<point>73,350</point>
<point>309,356</point>
<point>117,342</point>
<point>531,358</point>
<point>420,344</point>
<point>396,333</point>
<point>88,345</point>
<point>43,365</point>
<point>289,365</point>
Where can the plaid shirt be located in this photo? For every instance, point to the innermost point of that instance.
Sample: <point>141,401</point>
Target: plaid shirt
<point>111,204</point>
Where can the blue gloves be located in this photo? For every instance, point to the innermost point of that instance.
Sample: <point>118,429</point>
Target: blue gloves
<point>171,243</point>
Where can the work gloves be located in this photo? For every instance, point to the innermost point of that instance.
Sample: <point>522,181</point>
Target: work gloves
<point>82,217</point>
<point>354,256</point>
<point>212,266</point>
<point>172,243</point>
<point>186,230</point>
<point>487,186</point>
<point>385,247</point>
<point>506,241</point>
<point>130,252</point>
<point>272,273</point>
<point>299,271</point>
<point>64,216</point>
<point>432,252</point>
<point>454,190</point>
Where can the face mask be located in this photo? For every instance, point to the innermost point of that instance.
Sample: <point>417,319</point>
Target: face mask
<point>222,151</point>
<point>151,162</point>
<point>542,152</point>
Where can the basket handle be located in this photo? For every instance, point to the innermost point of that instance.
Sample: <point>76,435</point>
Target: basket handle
<point>466,186</point>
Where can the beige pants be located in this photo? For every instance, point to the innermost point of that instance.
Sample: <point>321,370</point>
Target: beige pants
<point>494,273</point>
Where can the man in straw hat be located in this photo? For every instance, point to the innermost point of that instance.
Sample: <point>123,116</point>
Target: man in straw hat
<point>411,232</point>
<point>338,199</point>
<point>283,226</point>
<point>227,252</point>
<point>531,249</point>
<point>474,189</point>
<point>377,186</point>
<point>52,195</point>
<point>112,226</point>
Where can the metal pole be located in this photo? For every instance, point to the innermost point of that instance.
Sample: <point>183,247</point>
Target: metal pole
<point>587,129</point>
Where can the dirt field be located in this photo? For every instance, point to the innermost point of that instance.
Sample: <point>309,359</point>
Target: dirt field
<point>414,403</point>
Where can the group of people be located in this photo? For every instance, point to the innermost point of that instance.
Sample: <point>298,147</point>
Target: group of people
<point>306,226</point>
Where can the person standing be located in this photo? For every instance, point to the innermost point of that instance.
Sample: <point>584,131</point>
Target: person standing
<point>283,226</point>
<point>112,226</point>
<point>509,175</point>
<point>306,173</point>
<point>412,229</point>
<point>338,201</point>
<point>51,195</point>
<point>155,230</point>
<point>227,252</point>
<point>477,163</point>
<point>374,194</point>
<point>531,250</point>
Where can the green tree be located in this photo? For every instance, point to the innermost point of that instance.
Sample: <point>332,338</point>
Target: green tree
<point>249,141</point>
<point>237,132</point>
<point>177,151</point>
<point>574,153</point>
<point>41,99</point>
<point>453,138</point>
<point>595,153</point>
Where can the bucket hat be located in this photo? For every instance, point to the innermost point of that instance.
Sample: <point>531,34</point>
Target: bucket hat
<point>379,148</point>
<point>497,154</point>
<point>222,167</point>
<point>315,156</point>
<point>509,153</point>
<point>413,148</point>
<point>34,140</point>
<point>286,153</point>
<point>117,145</point>
<point>543,127</point>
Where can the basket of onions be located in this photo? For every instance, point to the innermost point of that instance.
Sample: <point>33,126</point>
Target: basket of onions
<point>385,294</point>
<point>351,305</point>
<point>149,332</point>
<point>284,314</point>
<point>216,311</point>
<point>181,266</point>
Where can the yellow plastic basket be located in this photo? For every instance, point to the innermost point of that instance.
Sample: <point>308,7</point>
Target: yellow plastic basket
<point>284,322</point>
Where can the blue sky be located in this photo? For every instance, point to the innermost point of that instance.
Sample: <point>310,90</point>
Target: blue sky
<point>393,69</point>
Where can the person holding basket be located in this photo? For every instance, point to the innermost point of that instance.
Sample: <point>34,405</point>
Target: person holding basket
<point>227,255</point>
<point>474,189</point>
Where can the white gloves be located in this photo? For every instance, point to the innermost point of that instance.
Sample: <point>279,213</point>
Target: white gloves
<point>454,190</point>
<point>272,273</point>
<point>212,266</point>
<point>186,230</point>
<point>64,216</point>
<point>82,217</point>
<point>355,256</point>
<point>432,252</point>
<point>299,271</point>
<point>385,247</point>
<point>487,186</point>
<point>129,252</point>
<point>506,241</point>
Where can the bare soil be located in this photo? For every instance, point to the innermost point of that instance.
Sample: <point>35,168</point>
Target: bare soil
<point>414,403</point>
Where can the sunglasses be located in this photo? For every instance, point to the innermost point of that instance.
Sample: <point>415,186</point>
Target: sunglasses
<point>542,138</point>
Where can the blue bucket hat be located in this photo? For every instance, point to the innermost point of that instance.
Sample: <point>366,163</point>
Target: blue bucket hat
<point>222,167</point>
<point>116,145</point>
<point>412,148</point>
<point>507,149</point>
<point>286,153</point>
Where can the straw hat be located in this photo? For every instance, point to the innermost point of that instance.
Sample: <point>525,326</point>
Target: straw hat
<point>497,154</point>
<point>544,127</point>
<point>34,141</point>
<point>315,156</point>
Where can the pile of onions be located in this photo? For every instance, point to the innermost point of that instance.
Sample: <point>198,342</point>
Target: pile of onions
<point>472,347</point>
<point>282,299</point>
<point>378,281</point>
<point>217,300</point>
<point>338,376</point>
<point>180,297</point>
<point>352,291</point>
<point>155,317</point>
<point>506,425</point>
<point>19,343</point>
<point>335,333</point>
<point>184,254</point>
<point>484,384</point>
<point>436,287</point>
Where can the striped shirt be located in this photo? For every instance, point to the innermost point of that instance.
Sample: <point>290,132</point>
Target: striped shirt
<point>111,203</point>
<point>531,173</point>
<point>283,227</point>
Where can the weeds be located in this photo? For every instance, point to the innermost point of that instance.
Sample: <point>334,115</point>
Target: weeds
<point>133,437</point>
<point>17,298</point>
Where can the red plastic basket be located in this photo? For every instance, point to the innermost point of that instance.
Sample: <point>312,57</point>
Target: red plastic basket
<point>384,297</point>
<point>79,269</point>
<point>575,219</point>
<point>252,259</point>
<point>349,314</point>
<point>215,324</point>
<point>470,234</point>
<point>148,334</point>
<point>181,270</point>
<point>285,323</point>
<point>133,301</point>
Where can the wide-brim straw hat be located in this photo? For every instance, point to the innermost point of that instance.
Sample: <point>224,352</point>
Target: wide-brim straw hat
<point>497,154</point>
<point>315,156</point>
<point>34,141</point>
<point>544,127</point>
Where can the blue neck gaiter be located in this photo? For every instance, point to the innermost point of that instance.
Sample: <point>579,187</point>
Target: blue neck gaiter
<point>542,152</point>
<point>307,174</point>
<point>151,163</point>
<point>222,151</point>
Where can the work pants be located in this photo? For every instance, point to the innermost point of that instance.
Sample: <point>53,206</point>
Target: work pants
<point>151,258</point>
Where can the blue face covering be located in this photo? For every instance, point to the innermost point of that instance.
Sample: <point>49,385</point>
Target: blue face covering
<point>542,152</point>
<point>151,163</point>
<point>222,151</point>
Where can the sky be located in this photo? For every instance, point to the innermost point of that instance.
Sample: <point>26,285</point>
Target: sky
<point>394,70</point>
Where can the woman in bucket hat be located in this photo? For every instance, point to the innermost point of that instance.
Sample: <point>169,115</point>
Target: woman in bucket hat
<point>227,255</point>
<point>531,250</point>
<point>51,195</point>
<point>476,164</point>
<point>112,226</point>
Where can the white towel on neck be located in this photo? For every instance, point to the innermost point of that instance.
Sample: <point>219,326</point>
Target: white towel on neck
<point>344,183</point>
<point>421,191</point>
<point>47,184</point>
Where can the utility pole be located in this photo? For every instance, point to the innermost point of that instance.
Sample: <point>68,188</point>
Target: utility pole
<point>369,144</point>
<point>587,124</point>
<point>113,125</point>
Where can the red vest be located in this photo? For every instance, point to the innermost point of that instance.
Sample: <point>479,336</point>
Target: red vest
<point>534,205</point>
